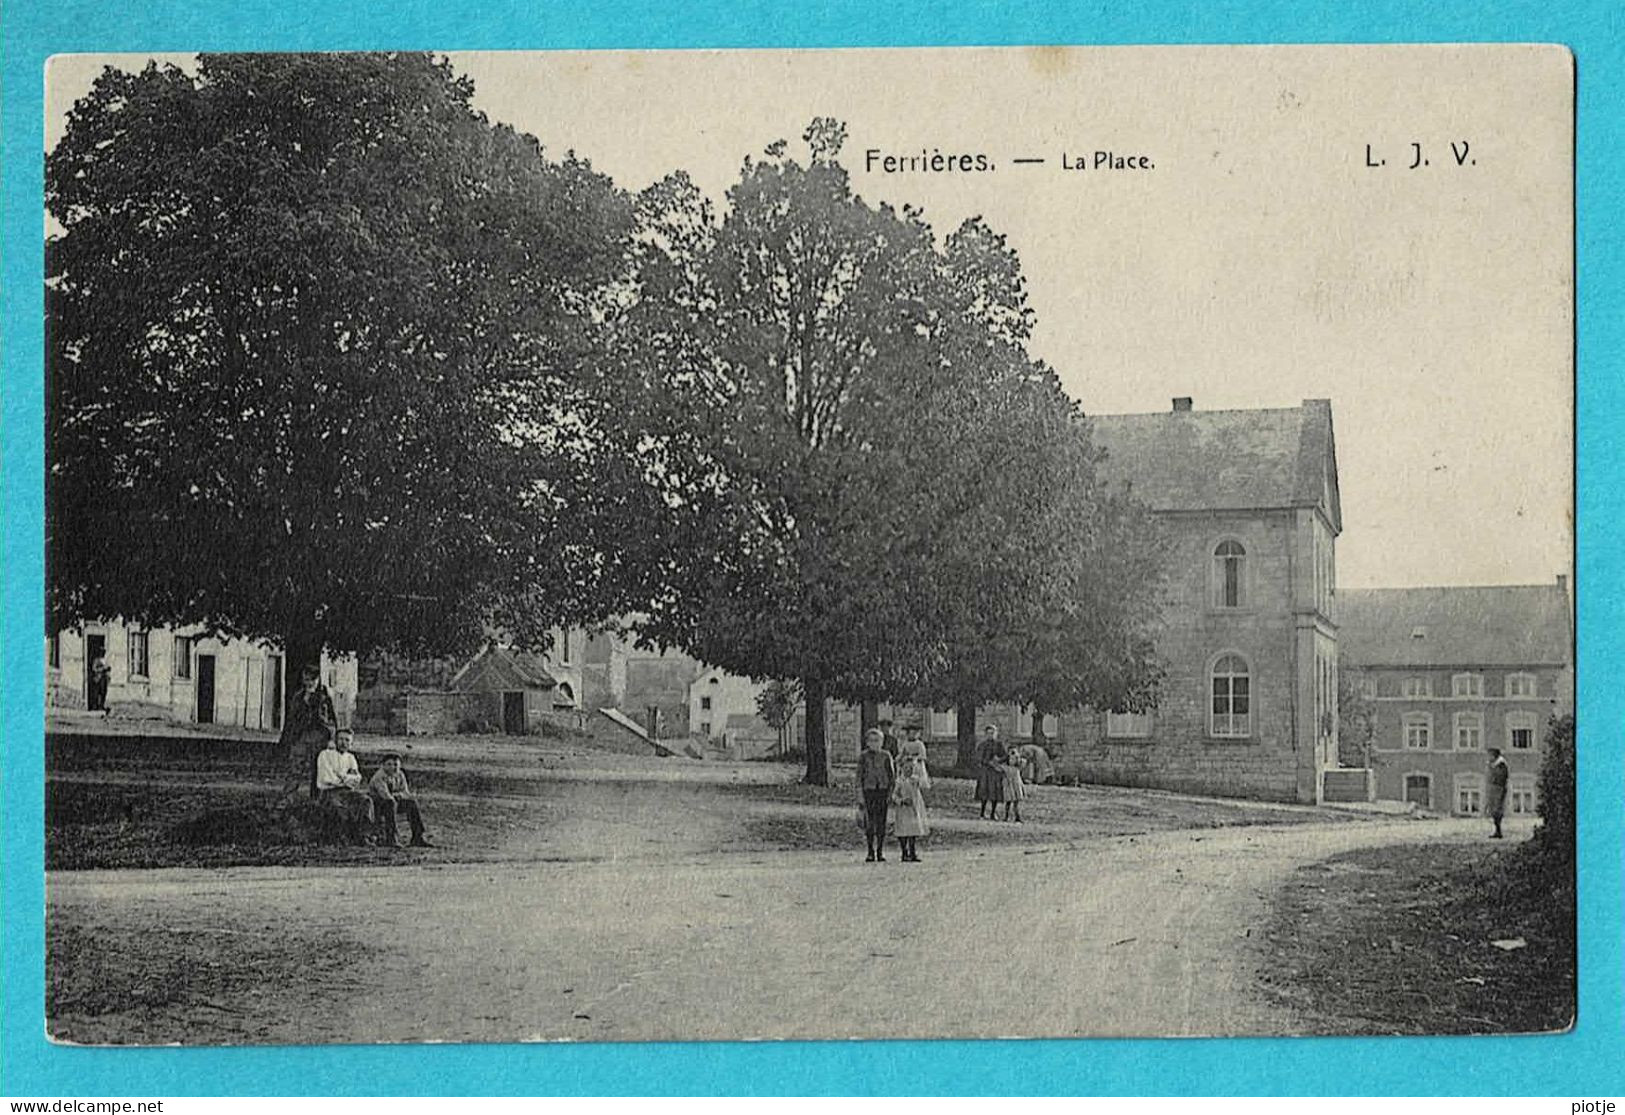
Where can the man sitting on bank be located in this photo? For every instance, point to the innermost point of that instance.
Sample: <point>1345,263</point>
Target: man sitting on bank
<point>391,796</point>
<point>338,784</point>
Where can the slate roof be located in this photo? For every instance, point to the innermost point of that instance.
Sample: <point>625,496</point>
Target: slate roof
<point>496,668</point>
<point>1496,625</point>
<point>1216,460</point>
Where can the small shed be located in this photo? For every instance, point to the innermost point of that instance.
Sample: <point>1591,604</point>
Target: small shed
<point>515,685</point>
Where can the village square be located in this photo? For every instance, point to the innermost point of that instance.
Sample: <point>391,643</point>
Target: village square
<point>489,601</point>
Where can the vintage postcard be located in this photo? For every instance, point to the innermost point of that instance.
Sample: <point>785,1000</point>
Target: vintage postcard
<point>740,545</point>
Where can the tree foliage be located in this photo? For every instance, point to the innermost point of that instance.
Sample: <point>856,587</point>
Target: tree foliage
<point>318,339</point>
<point>1556,841</point>
<point>1356,721</point>
<point>866,474</point>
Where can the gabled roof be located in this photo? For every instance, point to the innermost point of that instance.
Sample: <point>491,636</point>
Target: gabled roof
<point>1217,460</point>
<point>1495,625</point>
<point>496,668</point>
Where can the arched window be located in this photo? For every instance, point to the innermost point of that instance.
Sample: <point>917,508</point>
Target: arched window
<point>1232,698</point>
<point>1229,574</point>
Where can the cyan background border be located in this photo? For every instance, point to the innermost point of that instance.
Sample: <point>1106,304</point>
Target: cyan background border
<point>1585,1061</point>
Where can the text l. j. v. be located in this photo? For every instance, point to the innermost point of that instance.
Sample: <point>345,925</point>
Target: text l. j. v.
<point>1460,155</point>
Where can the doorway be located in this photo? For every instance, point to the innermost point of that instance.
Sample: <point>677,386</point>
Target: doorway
<point>95,695</point>
<point>271,687</point>
<point>205,689</point>
<point>1419,790</point>
<point>513,713</point>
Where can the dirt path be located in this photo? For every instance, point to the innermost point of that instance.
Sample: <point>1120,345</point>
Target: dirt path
<point>1145,935</point>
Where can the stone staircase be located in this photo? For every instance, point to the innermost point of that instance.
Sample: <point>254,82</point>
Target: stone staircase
<point>1347,785</point>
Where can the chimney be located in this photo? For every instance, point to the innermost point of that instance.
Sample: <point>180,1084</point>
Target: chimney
<point>1182,404</point>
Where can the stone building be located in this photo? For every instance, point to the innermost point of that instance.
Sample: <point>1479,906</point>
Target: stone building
<point>1249,503</point>
<point>501,689</point>
<point>1451,672</point>
<point>183,675</point>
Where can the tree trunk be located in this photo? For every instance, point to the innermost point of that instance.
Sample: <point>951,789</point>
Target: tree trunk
<point>868,717</point>
<point>966,763</point>
<point>817,746</point>
<point>1038,727</point>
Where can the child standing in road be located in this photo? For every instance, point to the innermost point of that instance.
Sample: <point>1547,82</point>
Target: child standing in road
<point>1015,787</point>
<point>908,798</point>
<point>876,774</point>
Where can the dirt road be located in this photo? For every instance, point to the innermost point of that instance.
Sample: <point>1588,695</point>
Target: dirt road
<point>1142,935</point>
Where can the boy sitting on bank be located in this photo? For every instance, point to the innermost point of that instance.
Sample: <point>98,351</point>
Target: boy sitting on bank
<point>390,796</point>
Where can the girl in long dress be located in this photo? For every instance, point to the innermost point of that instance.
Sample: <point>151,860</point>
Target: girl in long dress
<point>908,799</point>
<point>1014,787</point>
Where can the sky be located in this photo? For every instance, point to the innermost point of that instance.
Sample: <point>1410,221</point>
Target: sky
<point>1257,262</point>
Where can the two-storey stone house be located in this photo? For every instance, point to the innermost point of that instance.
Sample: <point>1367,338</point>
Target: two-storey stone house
<point>1451,672</point>
<point>1249,503</point>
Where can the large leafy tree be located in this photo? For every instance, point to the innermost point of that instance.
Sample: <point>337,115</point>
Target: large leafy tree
<point>1062,611</point>
<point>796,359</point>
<point>848,436</point>
<point>318,340</point>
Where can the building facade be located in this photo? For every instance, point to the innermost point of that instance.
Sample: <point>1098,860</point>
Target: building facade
<point>1448,673</point>
<point>499,690</point>
<point>1248,501</point>
<point>183,675</point>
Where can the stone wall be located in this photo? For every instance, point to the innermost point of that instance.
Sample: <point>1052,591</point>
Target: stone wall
<point>1181,753</point>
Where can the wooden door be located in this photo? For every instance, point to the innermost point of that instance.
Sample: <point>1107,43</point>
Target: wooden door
<point>513,713</point>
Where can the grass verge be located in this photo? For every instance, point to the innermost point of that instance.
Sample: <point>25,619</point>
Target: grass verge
<point>1400,940</point>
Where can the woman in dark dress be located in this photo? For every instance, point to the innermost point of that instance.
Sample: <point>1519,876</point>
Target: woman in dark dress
<point>990,757</point>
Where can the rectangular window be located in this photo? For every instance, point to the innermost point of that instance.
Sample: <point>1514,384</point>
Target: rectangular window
<point>705,727</point>
<point>1418,687</point>
<point>1232,707</point>
<point>1418,731</point>
<point>1128,725</point>
<point>1520,685</point>
<point>705,702</point>
<point>183,657</point>
<point>1521,731</point>
<point>1024,721</point>
<point>53,651</point>
<point>1467,685</point>
<point>138,654</point>
<point>1052,725</point>
<point>1521,794</point>
<point>1469,794</point>
<point>944,722</point>
<point>1469,731</point>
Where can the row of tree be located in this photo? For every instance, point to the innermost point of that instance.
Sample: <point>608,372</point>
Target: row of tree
<point>336,362</point>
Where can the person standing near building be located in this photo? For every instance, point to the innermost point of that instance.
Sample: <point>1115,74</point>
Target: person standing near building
<point>100,674</point>
<point>1495,795</point>
<point>990,757</point>
<point>310,726</point>
<point>876,774</point>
